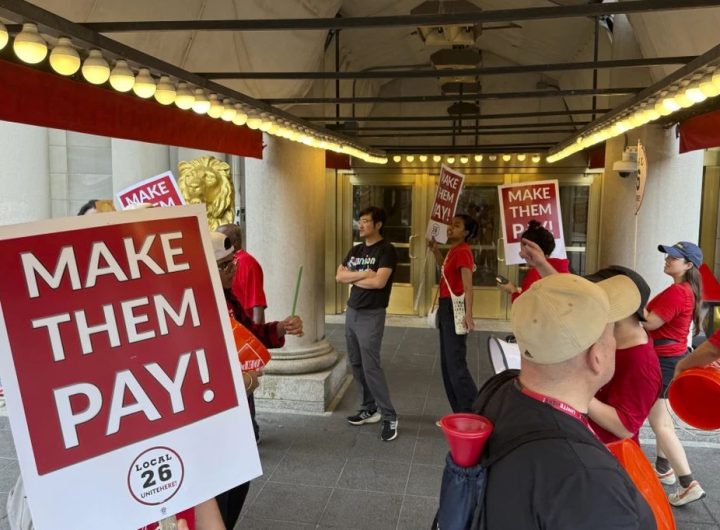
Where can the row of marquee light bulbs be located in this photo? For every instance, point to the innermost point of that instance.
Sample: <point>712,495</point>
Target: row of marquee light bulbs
<point>687,93</point>
<point>30,47</point>
<point>464,159</point>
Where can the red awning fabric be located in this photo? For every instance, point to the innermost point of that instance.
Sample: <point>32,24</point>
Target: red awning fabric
<point>596,157</point>
<point>700,132</point>
<point>335,160</point>
<point>48,100</point>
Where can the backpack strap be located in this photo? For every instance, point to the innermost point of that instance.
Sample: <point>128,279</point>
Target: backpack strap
<point>491,386</point>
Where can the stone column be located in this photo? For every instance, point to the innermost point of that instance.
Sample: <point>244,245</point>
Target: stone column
<point>135,161</point>
<point>24,173</point>
<point>670,210</point>
<point>285,201</point>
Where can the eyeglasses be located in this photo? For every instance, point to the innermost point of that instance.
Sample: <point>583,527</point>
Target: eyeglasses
<point>226,266</point>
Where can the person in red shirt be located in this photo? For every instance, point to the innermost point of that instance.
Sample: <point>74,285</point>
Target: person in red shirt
<point>669,316</point>
<point>456,274</point>
<point>542,237</point>
<point>707,354</point>
<point>622,405</point>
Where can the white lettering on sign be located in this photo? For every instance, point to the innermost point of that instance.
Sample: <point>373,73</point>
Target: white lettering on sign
<point>531,210</point>
<point>449,181</point>
<point>102,262</point>
<point>152,194</point>
<point>119,407</point>
<point>519,228</point>
<point>529,194</point>
<point>130,320</point>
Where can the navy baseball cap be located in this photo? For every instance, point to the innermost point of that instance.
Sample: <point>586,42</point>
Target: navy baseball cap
<point>684,249</point>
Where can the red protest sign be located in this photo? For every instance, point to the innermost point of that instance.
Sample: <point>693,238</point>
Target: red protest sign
<point>521,203</point>
<point>446,201</point>
<point>160,190</point>
<point>106,353</point>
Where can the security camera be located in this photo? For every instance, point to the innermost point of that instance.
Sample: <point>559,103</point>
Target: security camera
<point>628,165</point>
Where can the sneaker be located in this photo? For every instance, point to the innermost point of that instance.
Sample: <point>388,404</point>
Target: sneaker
<point>389,430</point>
<point>364,416</point>
<point>685,495</point>
<point>668,477</point>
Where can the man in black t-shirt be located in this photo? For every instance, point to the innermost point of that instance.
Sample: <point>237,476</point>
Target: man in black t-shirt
<point>369,269</point>
<point>569,481</point>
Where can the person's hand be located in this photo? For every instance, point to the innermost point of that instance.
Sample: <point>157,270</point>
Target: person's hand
<point>292,326</point>
<point>532,253</point>
<point>182,525</point>
<point>508,287</point>
<point>251,380</point>
<point>469,322</point>
<point>432,244</point>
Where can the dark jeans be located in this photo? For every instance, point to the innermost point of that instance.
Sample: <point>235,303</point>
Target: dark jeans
<point>459,385</point>
<point>230,504</point>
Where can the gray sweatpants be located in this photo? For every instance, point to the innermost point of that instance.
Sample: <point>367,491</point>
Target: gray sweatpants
<point>364,330</point>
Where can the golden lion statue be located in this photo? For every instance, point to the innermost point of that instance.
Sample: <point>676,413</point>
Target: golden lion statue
<point>207,180</point>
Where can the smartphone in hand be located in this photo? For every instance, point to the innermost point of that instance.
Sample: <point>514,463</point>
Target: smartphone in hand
<point>502,280</point>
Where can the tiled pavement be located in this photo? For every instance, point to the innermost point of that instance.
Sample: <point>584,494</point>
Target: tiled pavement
<point>320,472</point>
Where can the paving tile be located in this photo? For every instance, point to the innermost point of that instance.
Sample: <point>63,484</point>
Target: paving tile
<point>254,523</point>
<point>7,447</point>
<point>374,475</point>
<point>417,512</point>
<point>8,476</point>
<point>315,469</point>
<point>332,443</point>
<point>290,503</point>
<point>424,480</point>
<point>343,510</point>
<point>430,451</point>
<point>370,446</point>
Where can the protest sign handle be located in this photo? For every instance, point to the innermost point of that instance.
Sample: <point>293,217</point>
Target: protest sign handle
<point>497,254</point>
<point>297,291</point>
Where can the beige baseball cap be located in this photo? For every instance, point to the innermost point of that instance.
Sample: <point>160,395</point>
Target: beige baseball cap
<point>562,315</point>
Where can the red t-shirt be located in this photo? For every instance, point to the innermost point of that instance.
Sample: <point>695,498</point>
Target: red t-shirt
<point>247,284</point>
<point>675,306</point>
<point>559,264</point>
<point>458,257</point>
<point>188,515</point>
<point>633,389</point>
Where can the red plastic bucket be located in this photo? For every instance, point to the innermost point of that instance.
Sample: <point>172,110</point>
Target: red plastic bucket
<point>695,397</point>
<point>466,435</point>
<point>645,479</point>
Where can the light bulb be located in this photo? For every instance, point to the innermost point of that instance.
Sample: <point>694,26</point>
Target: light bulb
<point>694,93</point>
<point>29,45</point>
<point>450,160</point>
<point>437,158</point>
<point>422,158</point>
<point>184,97</point>
<point>64,59</point>
<point>201,104</point>
<point>464,160</point>
<point>507,158</point>
<point>521,157</point>
<point>707,86</point>
<point>536,158</point>
<point>683,100</point>
<point>671,104</point>
<point>254,122</point>
<point>410,158</point>
<point>240,117</point>
<point>229,112</point>
<point>95,69</point>
<point>267,123</point>
<point>144,86</point>
<point>165,93</point>
<point>216,108</point>
<point>478,158</point>
<point>492,158</point>
<point>121,77</point>
<point>3,36</point>
<point>397,158</point>
<point>662,109</point>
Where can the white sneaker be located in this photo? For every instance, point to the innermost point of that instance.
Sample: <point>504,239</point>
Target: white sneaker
<point>668,477</point>
<point>685,495</point>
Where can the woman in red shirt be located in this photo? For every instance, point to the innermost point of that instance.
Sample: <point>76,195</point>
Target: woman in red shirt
<point>457,269</point>
<point>669,317</point>
<point>541,236</point>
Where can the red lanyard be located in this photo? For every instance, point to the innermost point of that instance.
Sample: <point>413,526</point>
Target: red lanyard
<point>557,405</point>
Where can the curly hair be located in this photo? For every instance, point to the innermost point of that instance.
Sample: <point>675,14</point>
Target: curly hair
<point>206,180</point>
<point>541,236</point>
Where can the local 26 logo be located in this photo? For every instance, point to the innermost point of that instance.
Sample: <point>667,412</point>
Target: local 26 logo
<point>156,475</point>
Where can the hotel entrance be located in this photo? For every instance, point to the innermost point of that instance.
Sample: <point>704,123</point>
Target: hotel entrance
<point>407,198</point>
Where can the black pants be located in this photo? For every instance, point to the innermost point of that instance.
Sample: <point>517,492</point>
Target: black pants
<point>230,504</point>
<point>459,385</point>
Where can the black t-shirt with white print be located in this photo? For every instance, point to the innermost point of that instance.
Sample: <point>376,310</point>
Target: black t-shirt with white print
<point>376,256</point>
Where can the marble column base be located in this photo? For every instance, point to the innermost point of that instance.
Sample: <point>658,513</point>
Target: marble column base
<point>308,379</point>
